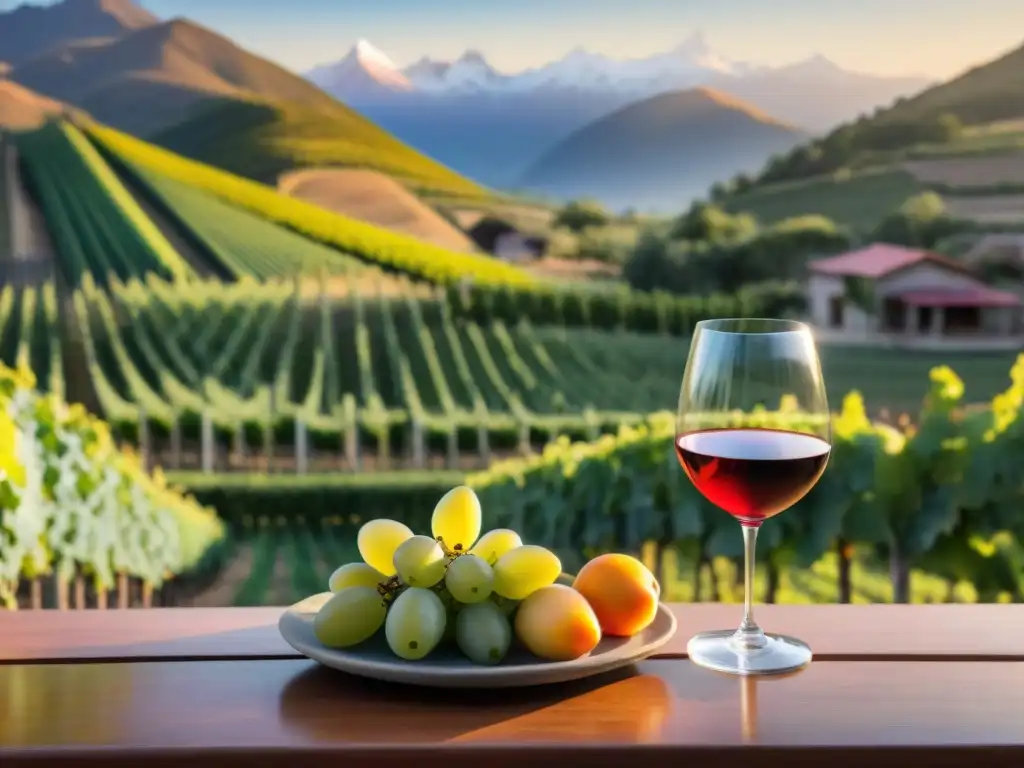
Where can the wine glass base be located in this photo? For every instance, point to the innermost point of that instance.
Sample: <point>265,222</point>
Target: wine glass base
<point>717,651</point>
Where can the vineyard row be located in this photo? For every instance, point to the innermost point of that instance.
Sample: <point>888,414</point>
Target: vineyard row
<point>374,368</point>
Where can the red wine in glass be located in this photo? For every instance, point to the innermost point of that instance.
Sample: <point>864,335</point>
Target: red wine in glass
<point>736,370</point>
<point>752,474</point>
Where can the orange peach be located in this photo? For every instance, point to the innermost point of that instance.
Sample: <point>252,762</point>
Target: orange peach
<point>557,623</point>
<point>622,591</point>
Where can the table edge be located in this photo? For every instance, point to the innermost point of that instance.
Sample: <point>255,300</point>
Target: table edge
<point>514,755</point>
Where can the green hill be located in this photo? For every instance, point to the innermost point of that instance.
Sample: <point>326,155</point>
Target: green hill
<point>119,207</point>
<point>970,116</point>
<point>983,94</point>
<point>261,140</point>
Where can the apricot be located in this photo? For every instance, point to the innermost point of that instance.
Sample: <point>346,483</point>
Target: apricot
<point>557,623</point>
<point>622,591</point>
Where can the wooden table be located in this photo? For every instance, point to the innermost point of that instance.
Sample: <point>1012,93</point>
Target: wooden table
<point>890,685</point>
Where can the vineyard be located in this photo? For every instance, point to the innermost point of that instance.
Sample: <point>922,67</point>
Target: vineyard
<point>273,556</point>
<point>366,380</point>
<point>942,496</point>
<point>364,241</point>
<point>75,508</point>
<point>926,513</point>
<point>219,326</point>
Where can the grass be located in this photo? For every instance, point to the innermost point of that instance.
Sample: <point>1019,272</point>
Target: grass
<point>858,200</point>
<point>261,141</point>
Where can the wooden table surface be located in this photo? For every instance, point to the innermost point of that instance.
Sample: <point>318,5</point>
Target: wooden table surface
<point>894,685</point>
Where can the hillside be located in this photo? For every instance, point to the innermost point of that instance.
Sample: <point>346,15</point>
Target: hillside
<point>208,98</point>
<point>148,79</point>
<point>372,197</point>
<point>262,140</point>
<point>31,30</point>
<point>986,93</point>
<point>20,108</point>
<point>662,151</point>
<point>970,116</point>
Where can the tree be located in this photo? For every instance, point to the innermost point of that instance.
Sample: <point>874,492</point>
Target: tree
<point>919,223</point>
<point>949,126</point>
<point>706,222</point>
<point>581,214</point>
<point>650,266</point>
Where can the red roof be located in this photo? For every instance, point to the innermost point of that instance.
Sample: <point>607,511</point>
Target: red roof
<point>960,297</point>
<point>879,260</point>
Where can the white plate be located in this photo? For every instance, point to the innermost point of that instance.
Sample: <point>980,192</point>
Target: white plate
<point>447,668</point>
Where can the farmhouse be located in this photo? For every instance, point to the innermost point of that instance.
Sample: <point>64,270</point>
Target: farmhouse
<point>886,292</point>
<point>505,241</point>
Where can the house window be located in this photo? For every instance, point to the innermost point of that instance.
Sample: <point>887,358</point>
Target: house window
<point>924,319</point>
<point>894,311</point>
<point>835,312</point>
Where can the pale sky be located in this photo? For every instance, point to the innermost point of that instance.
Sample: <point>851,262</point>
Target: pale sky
<point>937,38</point>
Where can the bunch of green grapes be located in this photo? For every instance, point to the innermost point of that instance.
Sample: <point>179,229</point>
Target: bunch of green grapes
<point>424,590</point>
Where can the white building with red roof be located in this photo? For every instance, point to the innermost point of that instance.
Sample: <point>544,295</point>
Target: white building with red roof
<point>890,292</point>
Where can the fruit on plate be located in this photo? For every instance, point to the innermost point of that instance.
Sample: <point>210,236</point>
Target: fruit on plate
<point>456,520</point>
<point>420,562</point>
<point>523,570</point>
<point>557,623</point>
<point>350,617</point>
<point>622,591</point>
<point>415,623</point>
<point>483,633</point>
<point>482,594</point>
<point>469,579</point>
<point>493,544</point>
<point>377,541</point>
<point>355,575</point>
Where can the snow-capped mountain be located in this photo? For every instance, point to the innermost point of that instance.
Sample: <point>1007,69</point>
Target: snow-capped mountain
<point>491,125</point>
<point>470,72</point>
<point>690,63</point>
<point>365,72</point>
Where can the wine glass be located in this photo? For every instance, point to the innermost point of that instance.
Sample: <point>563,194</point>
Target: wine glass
<point>753,434</point>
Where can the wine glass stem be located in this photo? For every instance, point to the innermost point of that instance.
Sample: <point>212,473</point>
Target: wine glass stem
<point>749,636</point>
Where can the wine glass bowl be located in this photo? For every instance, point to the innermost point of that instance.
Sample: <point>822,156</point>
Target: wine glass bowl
<point>753,434</point>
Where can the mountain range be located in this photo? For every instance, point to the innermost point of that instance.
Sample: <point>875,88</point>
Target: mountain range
<point>493,125</point>
<point>150,75</point>
<point>628,131</point>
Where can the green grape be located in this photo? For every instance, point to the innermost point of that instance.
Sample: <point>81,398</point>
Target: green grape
<point>355,575</point>
<point>523,570</point>
<point>457,519</point>
<point>377,542</point>
<point>483,633</point>
<point>469,579</point>
<point>494,544</point>
<point>351,616</point>
<point>416,623</point>
<point>420,562</point>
